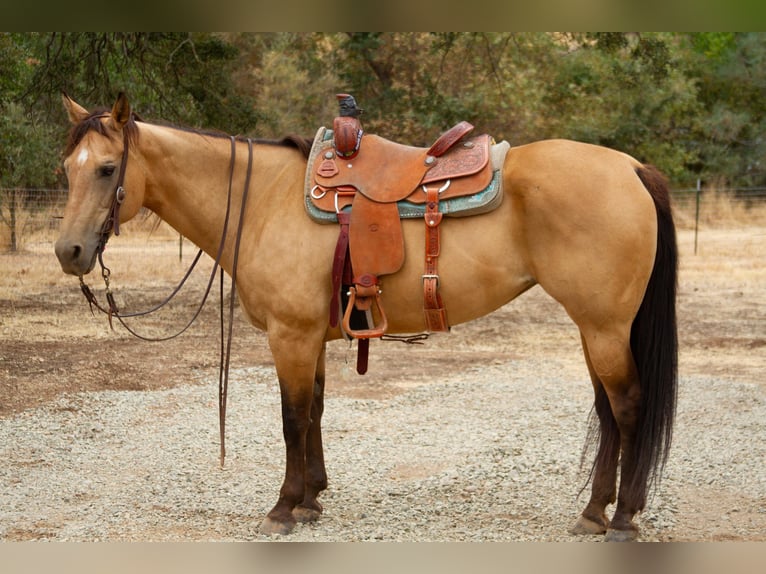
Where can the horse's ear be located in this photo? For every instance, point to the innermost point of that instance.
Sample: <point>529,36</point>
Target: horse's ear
<point>120,111</point>
<point>75,111</point>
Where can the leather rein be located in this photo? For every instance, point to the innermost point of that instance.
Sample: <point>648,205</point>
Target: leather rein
<point>112,226</point>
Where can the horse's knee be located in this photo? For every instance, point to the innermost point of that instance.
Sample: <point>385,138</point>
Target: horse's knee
<point>296,420</point>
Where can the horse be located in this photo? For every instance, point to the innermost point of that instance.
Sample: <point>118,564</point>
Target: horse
<point>591,225</point>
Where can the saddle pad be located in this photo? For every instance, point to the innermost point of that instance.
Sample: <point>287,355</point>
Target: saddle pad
<point>483,201</point>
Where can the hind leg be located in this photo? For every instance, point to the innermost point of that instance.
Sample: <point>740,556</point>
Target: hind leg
<point>611,361</point>
<point>593,519</point>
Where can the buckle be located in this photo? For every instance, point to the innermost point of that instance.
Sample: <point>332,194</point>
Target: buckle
<point>431,276</point>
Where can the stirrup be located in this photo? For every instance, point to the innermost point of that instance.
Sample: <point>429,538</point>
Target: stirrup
<point>376,331</point>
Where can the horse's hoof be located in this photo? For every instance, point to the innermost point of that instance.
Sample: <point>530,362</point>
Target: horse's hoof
<point>586,526</point>
<point>614,535</point>
<point>270,526</point>
<point>305,514</point>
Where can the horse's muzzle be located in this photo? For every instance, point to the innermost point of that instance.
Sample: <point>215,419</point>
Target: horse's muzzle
<point>76,258</point>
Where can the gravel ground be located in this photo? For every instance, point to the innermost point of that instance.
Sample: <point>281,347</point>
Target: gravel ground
<point>484,456</point>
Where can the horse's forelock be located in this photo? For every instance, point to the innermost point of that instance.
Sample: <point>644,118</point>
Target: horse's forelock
<point>93,123</point>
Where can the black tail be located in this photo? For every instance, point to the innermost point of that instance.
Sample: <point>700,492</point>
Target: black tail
<point>654,343</point>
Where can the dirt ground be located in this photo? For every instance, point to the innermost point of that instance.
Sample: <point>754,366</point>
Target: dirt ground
<point>51,344</point>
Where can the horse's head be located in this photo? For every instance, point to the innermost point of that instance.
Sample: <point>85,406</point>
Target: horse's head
<point>93,161</point>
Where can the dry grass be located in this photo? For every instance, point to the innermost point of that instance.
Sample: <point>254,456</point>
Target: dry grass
<point>147,251</point>
<point>718,210</point>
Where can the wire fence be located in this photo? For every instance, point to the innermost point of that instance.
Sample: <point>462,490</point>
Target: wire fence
<point>711,198</point>
<point>32,217</point>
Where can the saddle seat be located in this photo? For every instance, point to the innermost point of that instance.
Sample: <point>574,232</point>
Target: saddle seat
<point>365,193</point>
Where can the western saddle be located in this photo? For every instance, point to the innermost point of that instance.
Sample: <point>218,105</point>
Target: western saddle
<point>367,184</point>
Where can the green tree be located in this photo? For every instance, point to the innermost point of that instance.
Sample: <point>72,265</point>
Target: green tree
<point>691,103</point>
<point>25,134</point>
<point>181,77</point>
<point>415,85</point>
<point>27,138</point>
<point>292,83</point>
<point>629,92</point>
<point>730,70</point>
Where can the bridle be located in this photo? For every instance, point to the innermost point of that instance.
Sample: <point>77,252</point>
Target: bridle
<point>111,226</point>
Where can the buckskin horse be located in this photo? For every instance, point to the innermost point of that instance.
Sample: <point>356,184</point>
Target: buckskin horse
<point>591,225</point>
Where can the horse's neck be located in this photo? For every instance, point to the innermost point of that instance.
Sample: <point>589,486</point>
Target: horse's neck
<point>188,180</point>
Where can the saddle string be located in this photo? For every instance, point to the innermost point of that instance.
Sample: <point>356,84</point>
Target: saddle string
<point>407,339</point>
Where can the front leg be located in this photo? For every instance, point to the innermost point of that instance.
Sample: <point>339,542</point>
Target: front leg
<point>310,508</point>
<point>296,360</point>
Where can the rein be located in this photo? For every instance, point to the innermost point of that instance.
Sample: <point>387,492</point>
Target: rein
<point>112,225</point>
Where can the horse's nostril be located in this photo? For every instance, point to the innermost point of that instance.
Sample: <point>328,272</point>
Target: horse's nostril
<point>72,256</point>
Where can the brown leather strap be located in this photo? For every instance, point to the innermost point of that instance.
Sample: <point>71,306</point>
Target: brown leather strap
<point>433,308</point>
<point>223,376</point>
<point>112,224</point>
<point>338,265</point>
<point>112,221</point>
<point>343,274</point>
<point>362,356</point>
<point>449,138</point>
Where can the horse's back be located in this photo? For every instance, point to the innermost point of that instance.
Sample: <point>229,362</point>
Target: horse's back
<point>565,163</point>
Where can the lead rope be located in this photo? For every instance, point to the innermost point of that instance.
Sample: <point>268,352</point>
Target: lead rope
<point>223,376</point>
<point>112,224</point>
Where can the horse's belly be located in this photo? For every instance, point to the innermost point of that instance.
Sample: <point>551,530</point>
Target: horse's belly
<point>480,269</point>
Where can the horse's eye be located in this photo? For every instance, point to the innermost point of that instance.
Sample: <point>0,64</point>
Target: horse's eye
<point>106,170</point>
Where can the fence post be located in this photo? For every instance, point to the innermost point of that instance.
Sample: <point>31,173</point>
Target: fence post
<point>12,223</point>
<point>697,216</point>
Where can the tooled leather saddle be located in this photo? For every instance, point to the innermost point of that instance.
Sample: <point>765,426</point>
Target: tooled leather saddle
<point>367,184</point>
